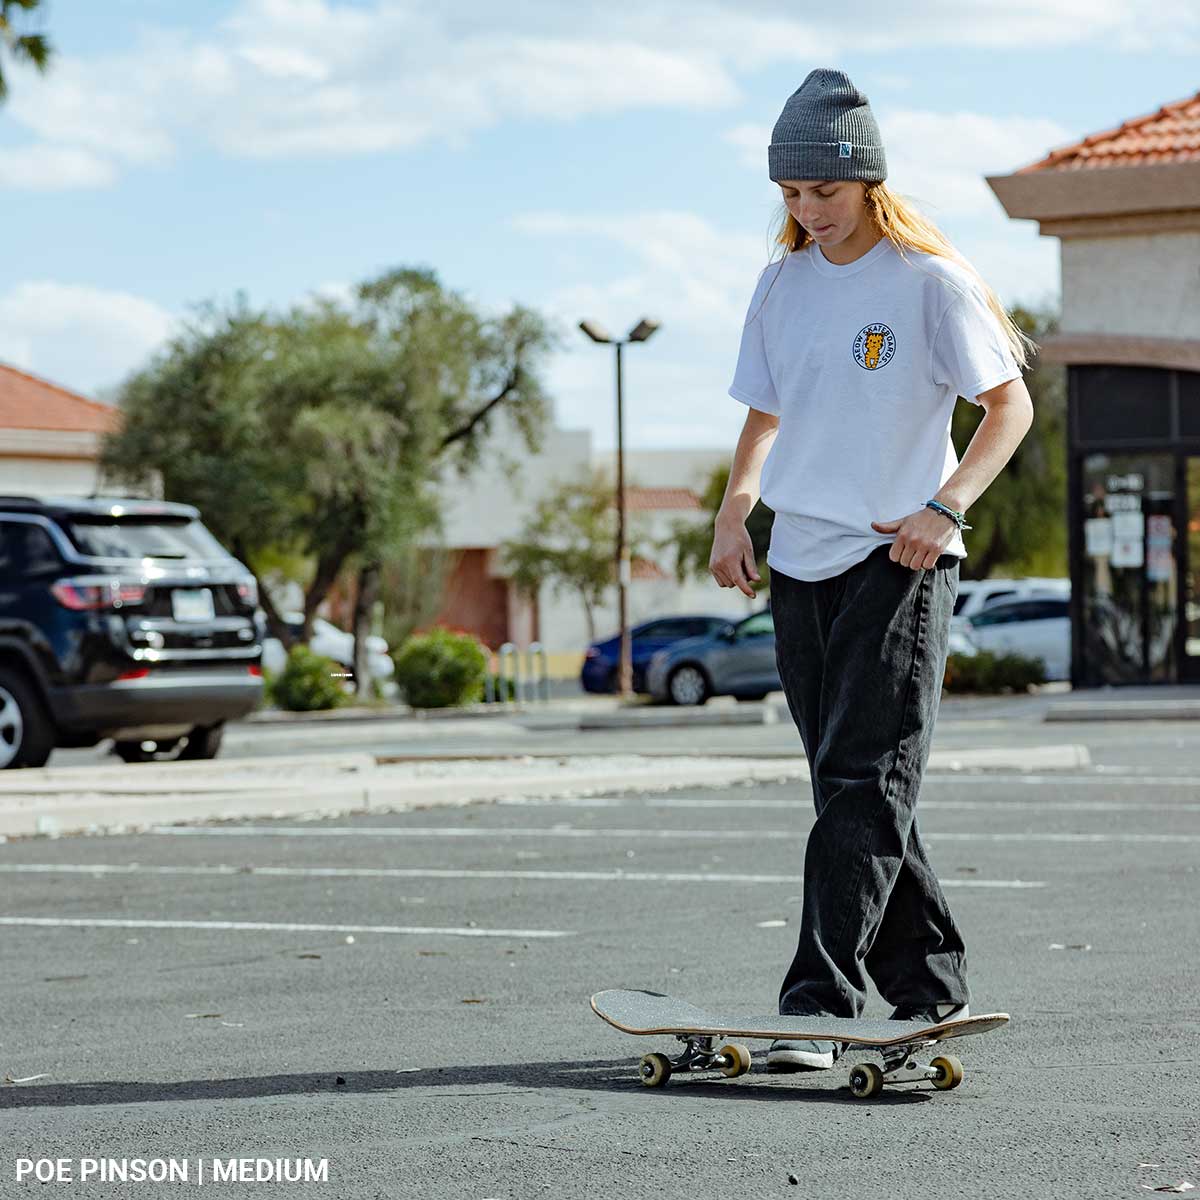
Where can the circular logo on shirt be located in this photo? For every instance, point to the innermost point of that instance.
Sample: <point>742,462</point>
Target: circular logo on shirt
<point>874,346</point>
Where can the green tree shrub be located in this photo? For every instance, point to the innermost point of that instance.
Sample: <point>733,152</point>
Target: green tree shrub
<point>441,669</point>
<point>308,682</point>
<point>988,672</point>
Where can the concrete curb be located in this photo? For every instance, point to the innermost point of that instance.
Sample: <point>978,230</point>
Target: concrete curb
<point>83,800</point>
<point>1125,710</point>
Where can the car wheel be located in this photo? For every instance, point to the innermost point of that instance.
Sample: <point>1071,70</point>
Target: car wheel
<point>26,731</point>
<point>147,750</point>
<point>204,741</point>
<point>688,685</point>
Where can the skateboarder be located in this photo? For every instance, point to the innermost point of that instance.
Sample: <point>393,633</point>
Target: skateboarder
<point>855,346</point>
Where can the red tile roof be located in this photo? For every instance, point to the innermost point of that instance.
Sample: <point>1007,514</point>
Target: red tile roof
<point>27,402</point>
<point>1171,134</point>
<point>645,499</point>
<point>645,568</point>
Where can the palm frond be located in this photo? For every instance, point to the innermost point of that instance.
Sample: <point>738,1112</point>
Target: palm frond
<point>33,48</point>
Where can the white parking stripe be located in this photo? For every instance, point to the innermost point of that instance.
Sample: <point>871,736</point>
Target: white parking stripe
<point>616,876</point>
<point>739,802</point>
<point>272,927</point>
<point>567,831</point>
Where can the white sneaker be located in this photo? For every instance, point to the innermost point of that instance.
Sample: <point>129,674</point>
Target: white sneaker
<point>802,1056</point>
<point>931,1014</point>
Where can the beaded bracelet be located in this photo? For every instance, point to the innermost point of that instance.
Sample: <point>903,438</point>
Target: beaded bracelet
<point>953,514</point>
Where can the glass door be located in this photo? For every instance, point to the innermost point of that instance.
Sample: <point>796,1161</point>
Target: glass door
<point>1129,601</point>
<point>1189,671</point>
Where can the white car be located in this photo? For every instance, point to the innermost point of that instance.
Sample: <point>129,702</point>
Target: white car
<point>974,595</point>
<point>335,643</point>
<point>1035,626</point>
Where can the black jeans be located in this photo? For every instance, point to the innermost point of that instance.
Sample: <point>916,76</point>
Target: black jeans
<point>862,657</point>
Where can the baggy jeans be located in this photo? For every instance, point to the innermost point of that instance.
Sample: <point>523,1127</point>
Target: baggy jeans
<point>862,657</point>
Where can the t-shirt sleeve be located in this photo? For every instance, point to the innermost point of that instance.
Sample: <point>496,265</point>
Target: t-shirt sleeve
<point>752,383</point>
<point>970,350</point>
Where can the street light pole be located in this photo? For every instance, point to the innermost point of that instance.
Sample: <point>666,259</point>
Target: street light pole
<point>624,573</point>
<point>640,333</point>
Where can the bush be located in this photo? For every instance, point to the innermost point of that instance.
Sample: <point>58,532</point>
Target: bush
<point>441,669</point>
<point>308,682</point>
<point>988,672</point>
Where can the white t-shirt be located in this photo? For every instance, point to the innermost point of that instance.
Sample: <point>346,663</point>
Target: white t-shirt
<point>862,364</point>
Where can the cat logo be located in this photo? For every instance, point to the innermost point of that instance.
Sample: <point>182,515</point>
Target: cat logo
<point>874,347</point>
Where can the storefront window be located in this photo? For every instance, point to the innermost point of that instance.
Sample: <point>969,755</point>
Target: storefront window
<point>1129,594</point>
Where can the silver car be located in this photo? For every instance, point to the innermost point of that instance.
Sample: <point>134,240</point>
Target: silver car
<point>736,660</point>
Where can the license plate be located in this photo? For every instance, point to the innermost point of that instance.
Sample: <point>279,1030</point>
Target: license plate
<point>192,604</point>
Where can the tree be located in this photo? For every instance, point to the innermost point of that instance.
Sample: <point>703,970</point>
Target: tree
<point>570,543</point>
<point>32,48</point>
<point>321,431</point>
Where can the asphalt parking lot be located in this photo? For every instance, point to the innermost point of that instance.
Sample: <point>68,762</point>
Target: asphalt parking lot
<point>405,995</point>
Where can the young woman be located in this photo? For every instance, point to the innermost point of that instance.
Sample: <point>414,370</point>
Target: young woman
<point>856,344</point>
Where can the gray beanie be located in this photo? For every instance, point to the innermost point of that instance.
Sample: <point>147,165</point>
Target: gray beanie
<point>826,131</point>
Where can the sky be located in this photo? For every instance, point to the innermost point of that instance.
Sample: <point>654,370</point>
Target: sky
<point>589,160</point>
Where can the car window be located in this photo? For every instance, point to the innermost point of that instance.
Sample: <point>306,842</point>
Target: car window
<point>26,549</point>
<point>131,537</point>
<point>698,626</point>
<point>1043,610</point>
<point>1000,614</point>
<point>959,601</point>
<point>1003,593</point>
<point>757,625</point>
<point>657,629</point>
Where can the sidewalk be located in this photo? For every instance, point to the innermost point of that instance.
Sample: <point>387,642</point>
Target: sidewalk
<point>1050,702</point>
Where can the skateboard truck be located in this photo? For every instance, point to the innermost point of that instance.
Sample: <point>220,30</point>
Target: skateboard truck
<point>731,1060</point>
<point>900,1066</point>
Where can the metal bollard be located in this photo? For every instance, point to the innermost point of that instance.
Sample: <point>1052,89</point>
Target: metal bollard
<point>508,654</point>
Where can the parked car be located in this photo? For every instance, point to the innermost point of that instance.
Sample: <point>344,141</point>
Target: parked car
<point>737,659</point>
<point>335,643</point>
<point>1036,626</point>
<point>600,662</point>
<point>974,595</point>
<point>124,619</point>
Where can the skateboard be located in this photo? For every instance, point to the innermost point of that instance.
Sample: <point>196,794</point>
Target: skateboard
<point>898,1042</point>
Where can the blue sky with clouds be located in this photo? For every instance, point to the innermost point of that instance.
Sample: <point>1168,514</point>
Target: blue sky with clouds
<point>590,160</point>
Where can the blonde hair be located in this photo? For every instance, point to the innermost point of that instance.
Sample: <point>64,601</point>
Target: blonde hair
<point>906,228</point>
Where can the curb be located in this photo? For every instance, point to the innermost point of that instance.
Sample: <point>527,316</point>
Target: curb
<point>1125,710</point>
<point>165,793</point>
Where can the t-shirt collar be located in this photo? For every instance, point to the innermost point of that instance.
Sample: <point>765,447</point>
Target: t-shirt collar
<point>835,270</point>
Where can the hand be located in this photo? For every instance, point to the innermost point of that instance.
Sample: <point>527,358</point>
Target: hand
<point>732,559</point>
<point>920,537</point>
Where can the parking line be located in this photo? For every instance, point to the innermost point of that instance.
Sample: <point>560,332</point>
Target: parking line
<point>272,927</point>
<point>568,831</point>
<point>613,876</point>
<point>991,806</point>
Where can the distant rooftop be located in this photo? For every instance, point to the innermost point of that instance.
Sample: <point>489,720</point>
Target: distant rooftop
<point>1170,134</point>
<point>28,402</point>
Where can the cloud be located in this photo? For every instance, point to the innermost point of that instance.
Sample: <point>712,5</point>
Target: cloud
<point>46,168</point>
<point>82,337</point>
<point>290,78</point>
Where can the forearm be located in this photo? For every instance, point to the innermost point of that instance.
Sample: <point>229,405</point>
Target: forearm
<point>743,490</point>
<point>997,437</point>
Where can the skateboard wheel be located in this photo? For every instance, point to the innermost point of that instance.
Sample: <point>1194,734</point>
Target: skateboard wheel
<point>949,1072</point>
<point>737,1060</point>
<point>866,1079</point>
<point>656,1070</point>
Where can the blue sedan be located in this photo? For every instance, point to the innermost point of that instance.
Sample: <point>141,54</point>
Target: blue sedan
<point>600,663</point>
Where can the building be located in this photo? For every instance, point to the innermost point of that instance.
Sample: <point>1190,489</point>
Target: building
<point>49,436</point>
<point>1125,206</point>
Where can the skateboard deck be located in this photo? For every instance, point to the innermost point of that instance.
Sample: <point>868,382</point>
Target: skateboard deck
<point>647,1013</point>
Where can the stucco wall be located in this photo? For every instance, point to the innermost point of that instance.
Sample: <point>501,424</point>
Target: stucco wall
<point>1144,285</point>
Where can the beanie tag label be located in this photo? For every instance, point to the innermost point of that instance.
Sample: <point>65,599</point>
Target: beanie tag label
<point>843,149</point>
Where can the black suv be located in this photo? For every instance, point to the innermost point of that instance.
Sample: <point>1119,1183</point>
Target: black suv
<point>121,619</point>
